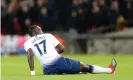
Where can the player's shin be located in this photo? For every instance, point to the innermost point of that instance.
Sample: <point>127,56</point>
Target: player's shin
<point>98,69</point>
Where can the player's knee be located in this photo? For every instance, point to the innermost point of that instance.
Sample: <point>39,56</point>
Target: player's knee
<point>84,67</point>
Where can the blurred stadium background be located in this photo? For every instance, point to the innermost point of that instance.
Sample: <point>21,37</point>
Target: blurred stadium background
<point>100,27</point>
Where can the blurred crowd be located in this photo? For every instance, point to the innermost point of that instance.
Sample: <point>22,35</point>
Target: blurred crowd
<point>84,16</point>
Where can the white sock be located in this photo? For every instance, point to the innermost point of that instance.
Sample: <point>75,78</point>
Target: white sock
<point>98,69</point>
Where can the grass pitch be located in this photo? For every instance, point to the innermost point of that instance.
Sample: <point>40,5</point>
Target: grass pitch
<point>16,68</point>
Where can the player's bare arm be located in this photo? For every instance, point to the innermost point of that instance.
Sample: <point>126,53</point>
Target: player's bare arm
<point>60,48</point>
<point>30,58</point>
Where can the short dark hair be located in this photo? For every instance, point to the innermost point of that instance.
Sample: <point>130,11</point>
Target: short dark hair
<point>31,29</point>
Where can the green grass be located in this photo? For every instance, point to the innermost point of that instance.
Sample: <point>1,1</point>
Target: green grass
<point>16,68</point>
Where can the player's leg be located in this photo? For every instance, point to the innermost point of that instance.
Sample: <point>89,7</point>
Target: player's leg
<point>69,66</point>
<point>98,69</point>
<point>94,69</point>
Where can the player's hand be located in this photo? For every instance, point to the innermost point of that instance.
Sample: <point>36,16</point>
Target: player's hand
<point>32,73</point>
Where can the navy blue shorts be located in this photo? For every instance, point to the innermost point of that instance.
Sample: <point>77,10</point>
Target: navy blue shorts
<point>63,66</point>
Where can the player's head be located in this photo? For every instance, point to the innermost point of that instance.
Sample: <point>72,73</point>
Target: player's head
<point>34,30</point>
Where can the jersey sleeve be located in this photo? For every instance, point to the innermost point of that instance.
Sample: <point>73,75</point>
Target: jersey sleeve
<point>27,46</point>
<point>55,41</point>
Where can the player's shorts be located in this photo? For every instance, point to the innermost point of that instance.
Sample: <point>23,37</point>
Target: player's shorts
<point>63,66</point>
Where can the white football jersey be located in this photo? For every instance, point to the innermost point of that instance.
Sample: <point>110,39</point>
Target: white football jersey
<point>43,47</point>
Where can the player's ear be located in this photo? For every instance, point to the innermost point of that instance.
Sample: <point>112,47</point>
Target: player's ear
<point>34,33</point>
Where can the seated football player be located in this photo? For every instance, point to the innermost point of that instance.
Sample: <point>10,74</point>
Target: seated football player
<point>47,49</point>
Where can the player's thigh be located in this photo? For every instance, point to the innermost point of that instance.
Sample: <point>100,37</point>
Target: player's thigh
<point>70,66</point>
<point>50,70</point>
